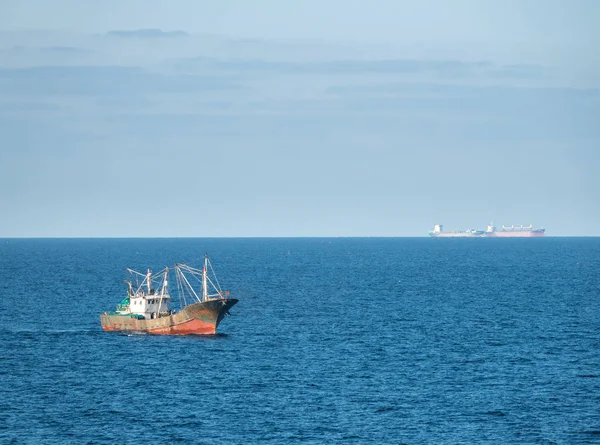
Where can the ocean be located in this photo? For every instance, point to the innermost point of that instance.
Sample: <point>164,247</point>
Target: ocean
<point>350,340</point>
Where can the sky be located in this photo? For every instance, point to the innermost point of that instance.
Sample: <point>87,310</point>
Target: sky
<point>525,21</point>
<point>268,118</point>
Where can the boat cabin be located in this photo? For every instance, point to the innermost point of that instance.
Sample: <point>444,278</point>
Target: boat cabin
<point>149,305</point>
<point>147,301</point>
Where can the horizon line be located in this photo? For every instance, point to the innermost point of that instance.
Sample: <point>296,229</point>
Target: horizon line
<point>258,237</point>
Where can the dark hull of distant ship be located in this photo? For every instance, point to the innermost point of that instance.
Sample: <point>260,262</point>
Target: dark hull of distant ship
<point>198,318</point>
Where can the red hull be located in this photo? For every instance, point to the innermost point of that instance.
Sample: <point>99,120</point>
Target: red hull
<point>198,318</point>
<point>195,326</point>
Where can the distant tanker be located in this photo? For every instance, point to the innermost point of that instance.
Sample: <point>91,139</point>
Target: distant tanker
<point>514,231</point>
<point>491,232</point>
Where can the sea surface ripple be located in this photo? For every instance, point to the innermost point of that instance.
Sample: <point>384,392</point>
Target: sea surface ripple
<point>357,340</point>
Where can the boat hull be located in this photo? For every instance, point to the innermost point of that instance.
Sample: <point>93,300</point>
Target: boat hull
<point>456,235</point>
<point>517,234</point>
<point>196,319</point>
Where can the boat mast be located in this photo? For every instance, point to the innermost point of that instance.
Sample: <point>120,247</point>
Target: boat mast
<point>149,281</point>
<point>205,280</point>
<point>162,291</point>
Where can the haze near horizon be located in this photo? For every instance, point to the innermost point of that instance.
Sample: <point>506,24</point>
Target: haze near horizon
<point>266,118</point>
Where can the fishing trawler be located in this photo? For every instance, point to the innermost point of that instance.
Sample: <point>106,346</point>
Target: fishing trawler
<point>147,306</point>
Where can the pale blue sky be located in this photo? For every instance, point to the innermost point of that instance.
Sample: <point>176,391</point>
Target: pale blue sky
<point>377,20</point>
<point>311,118</point>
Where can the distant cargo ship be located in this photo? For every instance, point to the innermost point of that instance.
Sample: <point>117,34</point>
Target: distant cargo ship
<point>514,232</point>
<point>439,232</point>
<point>491,232</point>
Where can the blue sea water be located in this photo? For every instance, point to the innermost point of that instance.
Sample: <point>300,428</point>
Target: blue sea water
<point>441,341</point>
